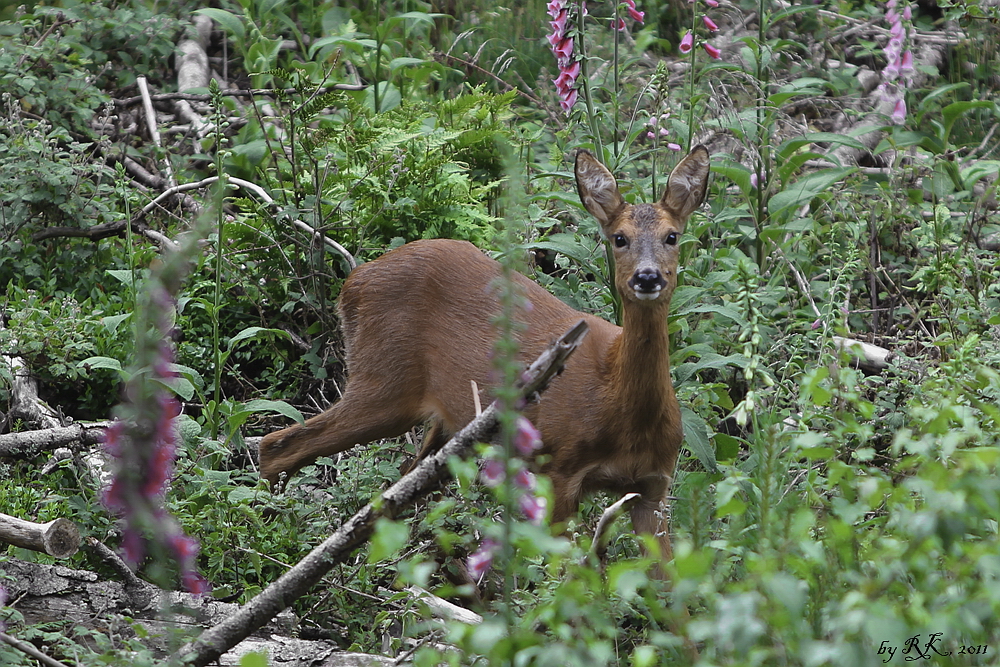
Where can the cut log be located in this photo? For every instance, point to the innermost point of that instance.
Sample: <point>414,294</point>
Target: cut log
<point>59,538</point>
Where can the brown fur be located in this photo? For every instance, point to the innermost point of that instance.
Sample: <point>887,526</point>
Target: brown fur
<point>417,324</point>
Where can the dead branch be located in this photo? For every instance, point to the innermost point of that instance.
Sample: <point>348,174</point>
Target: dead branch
<point>29,649</point>
<point>54,593</point>
<point>425,476</point>
<point>441,608</point>
<point>599,547</point>
<point>193,72</point>
<point>59,538</point>
<point>868,357</point>
<point>32,442</point>
<point>151,125</point>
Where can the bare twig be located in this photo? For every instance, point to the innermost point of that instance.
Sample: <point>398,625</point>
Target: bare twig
<point>506,86</point>
<point>25,647</point>
<point>154,131</point>
<point>194,97</point>
<point>601,536</point>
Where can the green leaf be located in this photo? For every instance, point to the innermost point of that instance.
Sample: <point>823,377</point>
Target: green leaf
<point>101,362</point>
<point>252,332</point>
<point>982,169</point>
<point>728,312</point>
<point>735,172</point>
<point>179,385</point>
<point>805,189</point>
<point>955,110</point>
<point>122,275</point>
<point>938,92</point>
<point>111,322</point>
<point>397,63</point>
<point>389,539</point>
<point>242,494</point>
<point>254,659</point>
<point>230,22</point>
<point>191,374</point>
<point>281,407</point>
<point>696,437</point>
<point>789,147</point>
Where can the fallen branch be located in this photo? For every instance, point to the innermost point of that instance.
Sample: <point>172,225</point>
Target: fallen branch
<point>441,608</point>
<point>601,534</point>
<point>425,477</point>
<point>868,357</point>
<point>151,125</point>
<point>193,71</point>
<point>59,538</point>
<point>32,442</point>
<point>25,647</point>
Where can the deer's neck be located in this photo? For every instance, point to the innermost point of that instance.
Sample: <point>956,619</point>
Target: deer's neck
<point>639,372</point>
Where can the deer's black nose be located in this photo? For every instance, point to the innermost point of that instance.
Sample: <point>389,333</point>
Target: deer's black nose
<point>648,281</point>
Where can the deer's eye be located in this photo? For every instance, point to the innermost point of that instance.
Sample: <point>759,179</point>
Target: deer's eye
<point>671,239</point>
<point>620,240</point>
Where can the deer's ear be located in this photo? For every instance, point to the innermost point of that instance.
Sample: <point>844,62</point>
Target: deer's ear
<point>598,189</point>
<point>688,184</point>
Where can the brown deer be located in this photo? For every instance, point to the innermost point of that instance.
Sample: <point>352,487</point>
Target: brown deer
<point>417,323</point>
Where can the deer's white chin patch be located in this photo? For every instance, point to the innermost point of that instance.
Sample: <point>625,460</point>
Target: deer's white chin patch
<point>646,296</point>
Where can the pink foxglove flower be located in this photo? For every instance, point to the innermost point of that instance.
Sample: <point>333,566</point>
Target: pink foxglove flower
<point>906,66</point>
<point>143,441</point>
<point>899,112</point>
<point>712,51</point>
<point>687,43</point>
<point>562,48</point>
<point>710,24</point>
<point>525,480</point>
<point>526,437</point>
<point>493,473</point>
<point>479,563</point>
<point>897,60</point>
<point>533,508</point>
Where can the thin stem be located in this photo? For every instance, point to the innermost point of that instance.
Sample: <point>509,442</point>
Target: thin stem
<point>220,189</point>
<point>585,75</point>
<point>614,103</point>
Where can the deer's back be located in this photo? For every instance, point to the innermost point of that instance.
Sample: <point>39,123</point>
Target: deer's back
<point>424,314</point>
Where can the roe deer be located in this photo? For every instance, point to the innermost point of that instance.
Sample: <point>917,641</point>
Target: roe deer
<point>418,327</point>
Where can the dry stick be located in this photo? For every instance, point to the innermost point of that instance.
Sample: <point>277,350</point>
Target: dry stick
<point>154,132</point>
<point>425,477</point>
<point>260,192</point>
<point>506,86</point>
<point>32,442</point>
<point>196,97</point>
<point>601,536</point>
<point>25,647</point>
